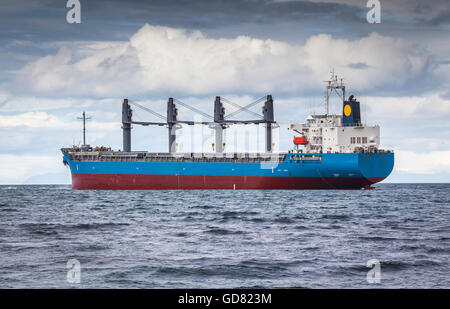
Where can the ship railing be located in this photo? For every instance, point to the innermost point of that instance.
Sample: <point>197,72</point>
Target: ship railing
<point>299,157</point>
<point>177,157</point>
<point>371,150</point>
<point>336,125</point>
<point>385,150</point>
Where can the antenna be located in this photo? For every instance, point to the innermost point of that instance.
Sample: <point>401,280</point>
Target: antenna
<point>333,84</point>
<point>84,118</point>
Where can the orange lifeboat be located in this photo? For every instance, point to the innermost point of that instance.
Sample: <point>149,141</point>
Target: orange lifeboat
<point>300,140</point>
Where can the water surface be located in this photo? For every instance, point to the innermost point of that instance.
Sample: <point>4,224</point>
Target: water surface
<point>225,239</point>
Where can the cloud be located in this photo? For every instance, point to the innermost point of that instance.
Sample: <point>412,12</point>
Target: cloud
<point>3,97</point>
<point>33,120</point>
<point>431,109</point>
<point>165,60</point>
<point>14,104</point>
<point>443,18</point>
<point>422,163</point>
<point>43,120</point>
<point>201,13</point>
<point>358,65</point>
<point>418,9</point>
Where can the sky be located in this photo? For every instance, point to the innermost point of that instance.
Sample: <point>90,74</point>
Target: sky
<point>148,51</point>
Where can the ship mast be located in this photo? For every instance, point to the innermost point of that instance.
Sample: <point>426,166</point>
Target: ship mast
<point>333,84</point>
<point>84,118</point>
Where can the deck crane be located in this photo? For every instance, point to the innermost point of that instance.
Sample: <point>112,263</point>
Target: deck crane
<point>267,116</point>
<point>219,121</point>
<point>170,121</point>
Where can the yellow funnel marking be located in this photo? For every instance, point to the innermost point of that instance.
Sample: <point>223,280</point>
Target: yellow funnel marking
<point>347,110</point>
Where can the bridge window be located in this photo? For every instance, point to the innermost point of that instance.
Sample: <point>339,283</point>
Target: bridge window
<point>364,140</point>
<point>358,140</point>
<point>352,140</point>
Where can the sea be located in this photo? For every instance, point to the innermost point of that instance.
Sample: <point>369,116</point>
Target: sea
<point>395,236</point>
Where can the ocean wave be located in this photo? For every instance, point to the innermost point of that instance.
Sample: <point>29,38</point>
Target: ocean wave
<point>222,231</point>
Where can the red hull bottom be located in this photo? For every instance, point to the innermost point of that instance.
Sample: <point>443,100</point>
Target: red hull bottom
<point>202,182</point>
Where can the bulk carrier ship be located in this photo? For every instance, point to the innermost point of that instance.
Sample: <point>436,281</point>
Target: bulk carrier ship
<point>330,152</point>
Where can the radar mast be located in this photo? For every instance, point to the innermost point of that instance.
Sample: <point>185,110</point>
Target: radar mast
<point>335,84</point>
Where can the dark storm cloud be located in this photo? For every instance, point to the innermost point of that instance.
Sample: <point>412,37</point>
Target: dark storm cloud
<point>358,65</point>
<point>213,13</point>
<point>45,20</point>
<point>441,19</point>
<point>114,19</point>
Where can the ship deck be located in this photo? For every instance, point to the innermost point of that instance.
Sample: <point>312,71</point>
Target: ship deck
<point>142,156</point>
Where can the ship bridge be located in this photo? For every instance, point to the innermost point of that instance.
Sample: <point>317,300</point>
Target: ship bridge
<point>344,133</point>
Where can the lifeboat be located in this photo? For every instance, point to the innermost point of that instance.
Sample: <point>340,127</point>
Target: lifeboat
<point>300,140</point>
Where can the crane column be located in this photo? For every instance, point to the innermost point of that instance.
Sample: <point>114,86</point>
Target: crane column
<point>219,116</point>
<point>172,113</point>
<point>269,119</point>
<point>126,125</point>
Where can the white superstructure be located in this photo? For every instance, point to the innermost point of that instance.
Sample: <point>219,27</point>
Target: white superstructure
<point>337,133</point>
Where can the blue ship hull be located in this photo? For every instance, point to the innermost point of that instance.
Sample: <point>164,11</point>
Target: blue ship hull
<point>323,171</point>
